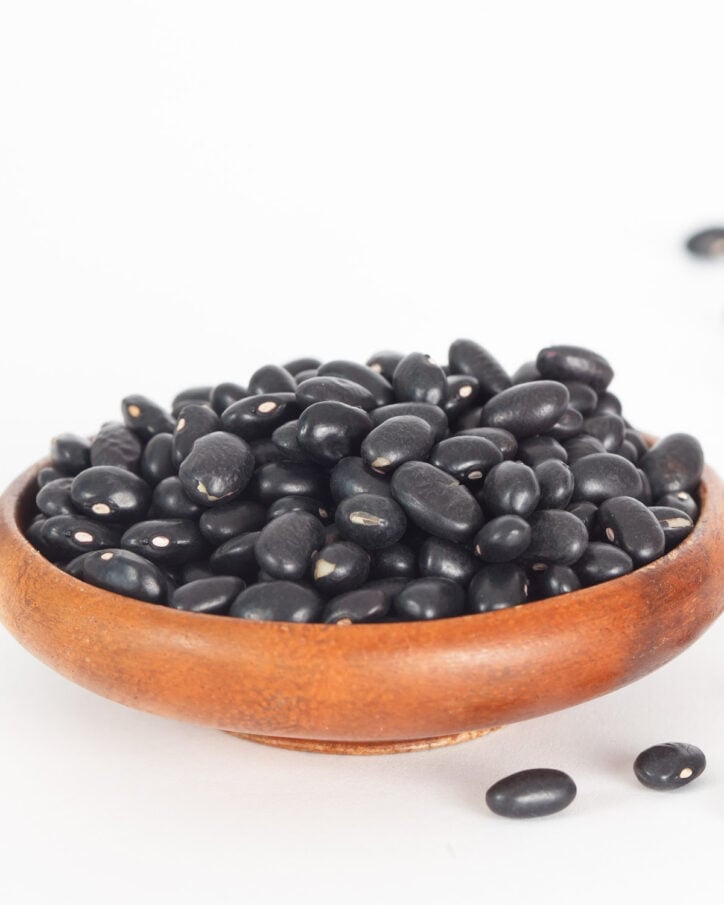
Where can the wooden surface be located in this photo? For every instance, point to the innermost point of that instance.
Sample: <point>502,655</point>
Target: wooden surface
<point>392,683</point>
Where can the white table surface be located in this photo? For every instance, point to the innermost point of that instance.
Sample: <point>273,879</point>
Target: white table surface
<point>189,190</point>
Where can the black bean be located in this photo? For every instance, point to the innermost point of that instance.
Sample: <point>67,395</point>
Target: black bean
<point>638,440</point>
<point>258,416</point>
<point>286,439</point>
<point>370,379</point>
<point>510,487</point>
<point>236,556</point>
<point>609,429</point>
<point>123,572</point>
<point>526,409</point>
<point>555,580</point>
<point>75,566</point>
<point>504,440</point>
<point>278,479</point>
<point>217,469</point>
<point>467,357</point>
<point>628,451</point>
<point>526,373</point>
<point>349,477</point>
<point>330,431</point>
<point>34,533</point>
<point>157,460</point>
<point>531,793</point>
<point>302,364</point>
<point>436,502</point>
<point>395,441</point>
<point>360,605</point>
<point>167,542</point>
<point>418,378</point>
<point>224,395</point>
<point>602,562</point>
<point>370,520</point>
<point>708,243</point>
<point>207,595</point>
<point>221,523</point>
<point>334,389</point>
<point>681,500</point>
<point>602,475</point>
<point>108,493</point>
<point>430,598</point>
<point>568,425</point>
<point>278,601</point>
<point>497,587</point>
<point>70,453</point>
<point>66,536</point>
<point>54,498</point>
<point>669,766</point>
<point>271,379</point>
<point>197,395</point>
<point>385,363</point>
<point>502,539</point>
<point>341,567</point>
<point>466,458</point>
<point>557,537</point>
<point>170,500</point>
<point>555,480</point>
<point>286,545</point>
<point>608,404</point>
<point>435,416</point>
<point>443,559</point>
<point>645,494</point>
<point>675,523</point>
<point>297,504</point>
<point>462,393</point>
<point>587,512</point>
<point>469,419</point>
<point>534,450</point>
<point>145,418</point>
<point>193,571</point>
<point>581,446</point>
<point>48,474</point>
<point>575,363</point>
<point>194,421</point>
<point>396,561</point>
<point>115,444</point>
<point>390,587</point>
<point>675,463</point>
<point>583,397</point>
<point>630,525</point>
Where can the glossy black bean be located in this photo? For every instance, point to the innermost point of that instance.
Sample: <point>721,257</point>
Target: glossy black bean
<point>555,480</point>
<point>418,378</point>
<point>271,379</point>
<point>534,450</point>
<point>334,389</point>
<point>278,601</point>
<point>526,409</point>
<point>145,418</point>
<point>197,395</point>
<point>708,243</point>
<point>602,475</point>
<point>469,459</point>
<point>442,559</point>
<point>555,580</point>
<point>359,605</point>
<point>302,364</point>
<point>469,419</point>
<point>462,394</point>
<point>340,567</point>
<point>630,525</point>
<point>115,444</point>
<point>510,487</point>
<point>157,460</point>
<point>75,566</point>
<point>502,539</point>
<point>587,512</point>
<point>123,572</point>
<point>609,429</point>
<point>467,357</point>
<point>681,500</point>
<point>430,598</point>
<point>330,431</point>
<point>675,523</point>
<point>504,440</point>
<point>258,416</point>
<point>436,502</point>
<point>105,492</point>
<point>531,793</point>
<point>526,373</point>
<point>213,596</point>
<point>638,440</point>
<point>54,498</point>
<point>265,449</point>
<point>278,479</point>
<point>575,363</point>
<point>194,421</point>
<point>669,766</point>
<point>675,463</point>
<point>298,504</point>
<point>370,379</point>
<point>608,404</point>
<point>385,363</point>
<point>224,395</point>
<point>48,474</point>
<point>390,587</point>
<point>170,500</point>
<point>286,439</point>
<point>217,469</point>
<point>557,537</point>
<point>497,587</point>
<point>306,375</point>
<point>221,523</point>
<point>34,533</point>
<point>349,477</point>
<point>287,544</point>
<point>396,561</point>
<point>581,446</point>
<point>397,440</point>
<point>370,520</point>
<point>193,571</point>
<point>433,414</point>
<point>568,425</point>
<point>70,453</point>
<point>236,556</point>
<point>583,398</point>
<point>602,562</point>
<point>167,542</point>
<point>67,536</point>
<point>628,451</point>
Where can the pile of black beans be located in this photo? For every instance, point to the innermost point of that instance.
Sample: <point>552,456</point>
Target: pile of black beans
<point>397,490</point>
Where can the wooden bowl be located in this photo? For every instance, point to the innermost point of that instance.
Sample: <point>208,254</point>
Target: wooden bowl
<point>361,688</point>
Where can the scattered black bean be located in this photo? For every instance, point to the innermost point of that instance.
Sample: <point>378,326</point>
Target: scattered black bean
<point>674,464</point>
<point>581,446</point>
<point>555,580</point>
<point>297,504</point>
<point>350,477</point>
<point>526,409</point>
<point>502,539</point>
<point>170,500</point>
<point>675,523</point>
<point>278,479</point>
<point>334,389</point>
<point>418,378</point>
<point>557,536</point>
<point>286,545</point>
<point>370,520</point>
<point>236,556</point>
<point>360,605</point>
<point>48,474</point>
<point>194,421</point>
<point>633,527</point>
<point>555,480</point>
<point>384,363</point>
<point>535,450</point>
<point>330,431</point>
<point>609,429</point>
<point>568,425</point>
<point>497,587</point>
<point>397,440</point>
<point>302,364</point>
<point>198,395</point>
<point>680,500</point>
<point>467,357</point>
<point>511,487</point>
<point>254,417</point>
<point>442,559</point>
<point>602,562</point>
<point>271,379</point>
<point>70,454</point>
<point>503,439</point>
<point>145,418</point>
<point>395,561</point>
<point>370,379</point>
<point>430,598</point>
<point>123,572</point>
<point>526,373</point>
<point>341,567</point>
<point>531,793</point>
<point>66,536</point>
<point>575,363</point>
<point>669,766</point>
<point>586,512</point>
<point>583,397</point>
<point>167,542</point>
<point>110,494</point>
<point>157,461</point>
<point>54,498</point>
<point>221,523</point>
<point>468,459</point>
<point>608,404</point>
<point>434,415</point>
<point>115,444</point>
<point>207,595</point>
<point>436,502</point>
<point>599,476</point>
<point>217,469</point>
<point>462,393</point>
<point>226,394</point>
<point>278,601</point>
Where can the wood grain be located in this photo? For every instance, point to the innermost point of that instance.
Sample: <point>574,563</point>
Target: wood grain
<point>337,687</point>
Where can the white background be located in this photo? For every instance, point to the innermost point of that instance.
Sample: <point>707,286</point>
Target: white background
<point>189,190</point>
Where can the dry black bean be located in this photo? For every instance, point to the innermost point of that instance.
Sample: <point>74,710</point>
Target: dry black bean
<point>207,595</point>
<point>504,440</point>
<point>581,446</point>
<point>70,453</point>
<point>555,480</point>
<point>302,364</point>
<point>675,523</point>
<point>271,379</point>
<point>584,398</point>
<point>224,395</point>
<point>609,429</point>
<point>75,566</point>
<point>502,539</point>
<point>221,523</point>
<point>466,458</point>
<point>587,512</point>
<point>217,469</point>
<point>48,474</point>
<point>126,573</point>
<point>115,444</point>
<point>170,500</point>
<point>286,439</point>
<point>442,559</point>
<point>430,598</point>
<point>54,498</point>
<point>669,766</point>
<point>108,493</point>
<point>258,416</point>
<point>370,379</point>
<point>194,421</point>
<point>602,562</point>
<point>526,373</point>
<point>236,556</point>
<point>510,487</point>
<point>674,464</point>
<point>196,395</point>
<point>467,420</point>
<point>385,362</point>
<point>436,502</point>
<point>286,545</point>
<point>608,404</point>
<point>334,389</point>
<point>435,416</point>
<point>349,477</point>
<point>638,440</point>
<point>193,571</point>
<point>360,605</point>
<point>157,460</point>
<point>418,378</point>
<point>396,561</point>
<point>265,450</point>
<point>497,587</point>
<point>277,479</point>
<point>467,357</point>
<point>680,500</point>
<point>167,542</point>
<point>462,393</point>
<point>278,601</point>
<point>341,567</point>
<point>145,418</point>
<point>568,425</point>
<point>555,580</point>
<point>66,536</point>
<point>575,363</point>
<point>531,793</point>
<point>526,409</point>
<point>628,451</point>
<point>534,450</point>
<point>633,527</point>
<point>395,441</point>
<point>297,504</point>
<point>330,431</point>
<point>557,537</point>
<point>370,520</point>
<point>602,475</point>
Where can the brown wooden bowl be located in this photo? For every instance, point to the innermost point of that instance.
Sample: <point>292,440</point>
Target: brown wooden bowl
<point>361,688</point>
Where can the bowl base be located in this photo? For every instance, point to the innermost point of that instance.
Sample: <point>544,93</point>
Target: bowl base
<point>399,747</point>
